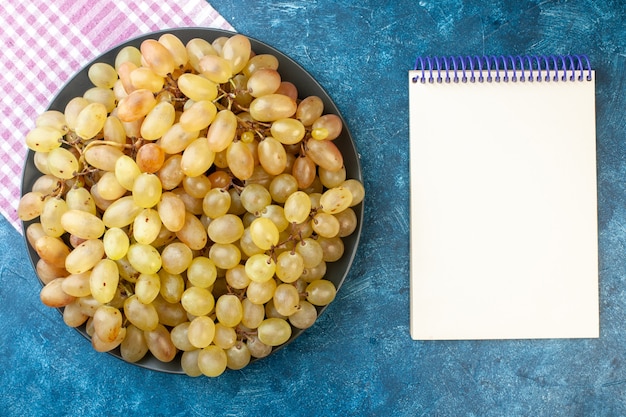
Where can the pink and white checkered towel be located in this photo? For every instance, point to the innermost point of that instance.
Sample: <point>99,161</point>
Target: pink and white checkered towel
<point>45,43</point>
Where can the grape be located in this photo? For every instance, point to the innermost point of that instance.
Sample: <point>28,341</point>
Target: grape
<point>263,81</point>
<point>144,258</point>
<point>297,207</point>
<point>73,316</point>
<point>260,267</point>
<point>136,105</point>
<point>215,68</point>
<point>158,121</point>
<point>289,266</point>
<point>222,130</point>
<point>103,280</point>
<point>228,310</point>
<point>286,299</point>
<point>82,224</point>
<point>197,301</point>
<point>30,205</point>
<point>272,156</point>
<point>144,316</point>
<point>212,361</point>
<point>77,285</point>
<point>198,116</point>
<point>103,156</point>
<point>157,57</point>
<point>62,163</point>
<point>272,107</point>
<point>202,272</point>
<point>240,160</point>
<point>176,48</point>
<point>52,250</point>
<point>90,120</point>
<point>52,294</point>
<point>176,257</point>
<point>176,139</point>
<point>336,200</point>
<point>225,255</point>
<point>320,292</point>
<point>44,139</point>
<point>225,229</point>
<point>196,49</point>
<point>264,233</point>
<point>85,256</point>
<point>171,210</point>
<point>104,96</point>
<point>145,78</point>
<point>107,323</point>
<point>274,331</point>
<point>197,88</point>
<point>237,50</point>
<point>303,171</point>
<point>325,225</point>
<point>133,348</point>
<point>201,331</point>
<point>160,343</point>
<point>109,188</point>
<point>261,292</point>
<point>172,286</point>
<point>147,190</point>
<point>216,203</point>
<point>325,154</point>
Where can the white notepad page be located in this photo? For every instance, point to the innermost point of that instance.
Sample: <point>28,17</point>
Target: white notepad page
<point>503,210</point>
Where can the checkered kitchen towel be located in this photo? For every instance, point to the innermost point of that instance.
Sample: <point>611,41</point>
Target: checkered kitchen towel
<point>45,42</point>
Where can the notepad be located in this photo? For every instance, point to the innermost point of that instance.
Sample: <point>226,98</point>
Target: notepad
<point>504,236</point>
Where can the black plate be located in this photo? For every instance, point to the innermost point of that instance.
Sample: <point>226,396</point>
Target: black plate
<point>290,71</point>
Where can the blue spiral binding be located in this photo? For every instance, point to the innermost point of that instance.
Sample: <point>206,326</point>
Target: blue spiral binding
<point>490,68</point>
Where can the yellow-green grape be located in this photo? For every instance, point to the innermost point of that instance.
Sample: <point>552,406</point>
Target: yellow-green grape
<point>116,243</point>
<point>197,186</point>
<point>272,107</point>
<point>320,133</point>
<point>50,217</point>
<point>262,82</point>
<point>264,233</point>
<point>347,222</point>
<point>305,316</point>
<point>103,157</point>
<point>82,224</point>
<point>160,344</point>
<point>126,171</point>
<point>73,109</point>
<point>197,88</point>
<point>252,313</point>
<point>226,229</point>
<point>77,285</point>
<point>113,130</point>
<point>189,363</point>
<point>331,179</point>
<point>286,299</point>
<point>331,123</point>
<point>297,207</point>
<point>225,337</point>
<point>170,173</point>
<point>282,186</point>
<point>240,160</point>
<point>147,287</point>
<point>79,198</point>
<point>325,154</point>
<point>172,286</point>
<point>335,200</point>
<point>30,205</point>
<point>180,339</point>
<point>44,139</point>
<point>176,139</point>
<point>311,252</point>
<point>325,225</point>
<point>236,277</point>
<point>193,232</point>
<point>212,361</point>
<point>128,54</point>
<point>222,130</point>
<point>121,213</point>
<point>237,50</point>
<point>309,110</point>
<point>274,331</point>
<point>171,210</point>
<point>225,255</point>
<point>332,248</point>
<point>261,292</point>
<point>62,163</point>
<point>228,310</point>
<point>237,356</point>
<point>158,121</point>
<point>107,323</point>
<point>52,294</point>
<point>198,116</point>
<point>104,96</point>
<point>46,184</point>
<point>289,266</point>
<point>133,348</point>
<point>272,156</point>
<point>260,267</point>
<point>52,250</point>
<point>40,159</point>
<point>196,49</point>
<point>356,189</point>
<point>144,258</point>
<point>288,131</point>
<point>216,203</point>
<point>146,190</point>
<point>146,226</point>
<point>102,75</point>
<point>201,331</point>
<point>103,280</point>
<point>90,120</point>
<point>216,68</point>
<point>176,48</point>
<point>201,272</point>
<point>109,187</point>
<point>260,61</point>
<point>73,316</point>
<point>197,301</point>
<point>197,158</point>
<point>176,257</point>
<point>136,105</point>
<point>170,314</point>
<point>145,78</point>
<point>255,198</point>
<point>157,57</point>
<point>143,316</point>
<point>52,118</point>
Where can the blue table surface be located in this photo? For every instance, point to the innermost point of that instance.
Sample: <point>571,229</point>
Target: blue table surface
<point>358,360</point>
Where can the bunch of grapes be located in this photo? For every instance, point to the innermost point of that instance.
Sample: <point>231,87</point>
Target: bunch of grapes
<point>189,202</point>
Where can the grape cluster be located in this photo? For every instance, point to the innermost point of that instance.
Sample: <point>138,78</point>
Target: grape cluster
<point>189,202</point>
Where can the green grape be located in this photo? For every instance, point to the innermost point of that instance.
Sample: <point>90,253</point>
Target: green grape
<point>257,348</point>
<point>252,313</point>
<point>222,130</point>
<point>44,139</point>
<point>128,54</point>
<point>147,287</point>
<point>332,248</point>
<point>272,107</point>
<point>261,292</point>
<point>240,160</point>
<point>197,301</point>
<point>113,130</point>
<point>216,203</point>
<point>193,232</point>
<point>289,266</point>
<point>146,226</point>
<point>263,81</point>
<point>73,316</point>
<point>62,163</point>
<point>225,229</point>
<point>102,75</point>
<point>157,57</point>
<point>103,280</point>
<point>172,211</point>
<point>260,267</point>
<point>198,116</point>
<point>236,277</point>
<point>170,314</point>
<point>176,139</point>
<point>146,190</point>
<point>225,255</point>
<point>276,214</point>
<point>288,131</point>
<point>320,292</point>
<point>274,331</point>
<point>215,68</point>
<point>286,299</point>
<point>172,286</point>
<point>237,51</point>
<point>196,49</point>
<point>316,272</point>
<point>197,88</point>
<point>272,156</point>
<point>201,272</point>
<point>116,243</point>
<point>103,156</point>
<point>247,245</point>
<point>255,198</point>
<point>282,186</point>
<point>305,316</point>
<point>90,120</point>
<point>104,96</point>
<point>126,171</point>
<point>264,233</point>
<point>228,310</point>
<point>133,348</point>
<point>160,343</point>
<point>72,109</point>
<point>79,198</point>
<point>197,158</point>
<point>107,323</point>
<point>325,225</point>
<point>331,179</point>
<point>225,337</point>
<point>158,121</point>
<point>311,252</point>
<point>102,346</point>
<point>85,256</point>
<point>30,205</point>
<point>356,189</point>
<point>143,316</point>
<point>77,285</point>
<point>180,339</point>
<point>335,200</point>
<point>176,48</point>
<point>121,213</point>
<point>260,61</point>
<point>176,257</point>
<point>201,331</point>
<point>325,154</point>
<point>52,118</point>
<point>144,258</point>
<point>109,187</point>
<point>297,207</point>
<point>189,363</point>
<point>212,361</point>
<point>82,224</point>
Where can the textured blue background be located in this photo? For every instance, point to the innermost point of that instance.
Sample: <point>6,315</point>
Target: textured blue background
<point>359,360</point>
